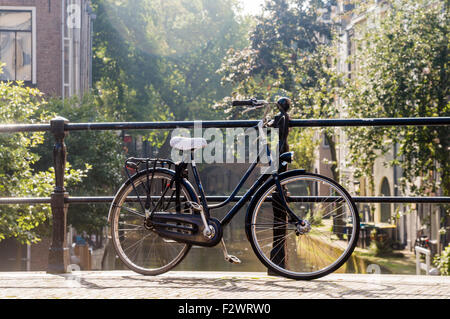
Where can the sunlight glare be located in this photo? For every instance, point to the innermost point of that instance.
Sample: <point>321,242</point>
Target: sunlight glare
<point>252,7</point>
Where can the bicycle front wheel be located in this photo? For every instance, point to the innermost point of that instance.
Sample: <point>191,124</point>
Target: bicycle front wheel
<point>312,250</point>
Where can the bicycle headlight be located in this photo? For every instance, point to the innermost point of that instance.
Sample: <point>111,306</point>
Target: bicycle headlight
<point>287,157</point>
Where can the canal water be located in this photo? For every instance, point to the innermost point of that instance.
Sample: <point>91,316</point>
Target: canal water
<point>212,258</point>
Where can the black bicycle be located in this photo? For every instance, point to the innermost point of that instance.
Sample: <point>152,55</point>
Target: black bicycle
<point>422,240</point>
<point>300,225</point>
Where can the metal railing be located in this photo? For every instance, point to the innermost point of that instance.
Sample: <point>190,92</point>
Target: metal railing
<point>60,200</point>
<point>423,266</point>
<point>421,121</point>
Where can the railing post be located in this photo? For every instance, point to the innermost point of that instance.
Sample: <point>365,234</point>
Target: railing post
<point>278,252</point>
<point>419,266</point>
<point>58,258</point>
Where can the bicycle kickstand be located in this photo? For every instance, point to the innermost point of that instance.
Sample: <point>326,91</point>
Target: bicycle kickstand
<point>230,258</point>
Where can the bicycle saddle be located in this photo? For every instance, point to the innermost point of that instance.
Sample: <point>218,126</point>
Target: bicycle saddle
<point>187,143</point>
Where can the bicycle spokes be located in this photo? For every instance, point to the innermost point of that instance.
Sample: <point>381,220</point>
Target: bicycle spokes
<point>314,246</point>
<point>138,245</point>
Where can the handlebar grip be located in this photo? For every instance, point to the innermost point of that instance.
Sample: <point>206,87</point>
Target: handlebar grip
<point>244,102</point>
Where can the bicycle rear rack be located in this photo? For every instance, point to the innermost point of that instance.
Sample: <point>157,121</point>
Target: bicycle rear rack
<point>135,165</point>
<point>138,164</point>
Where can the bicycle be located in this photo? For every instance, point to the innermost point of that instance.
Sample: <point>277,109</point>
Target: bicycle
<point>422,240</point>
<point>300,225</point>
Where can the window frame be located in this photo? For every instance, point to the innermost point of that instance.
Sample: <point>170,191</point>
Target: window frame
<point>33,36</point>
<point>324,141</point>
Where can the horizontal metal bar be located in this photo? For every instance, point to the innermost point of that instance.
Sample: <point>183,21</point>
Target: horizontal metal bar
<point>398,199</point>
<point>422,121</point>
<point>89,199</point>
<point>14,128</point>
<point>217,199</point>
<point>24,200</point>
<point>357,199</point>
<point>158,125</point>
<point>418,121</point>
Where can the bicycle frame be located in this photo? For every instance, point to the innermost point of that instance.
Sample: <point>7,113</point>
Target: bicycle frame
<point>236,207</point>
<point>239,204</point>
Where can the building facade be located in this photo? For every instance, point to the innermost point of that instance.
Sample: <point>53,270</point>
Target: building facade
<point>402,221</point>
<point>47,44</point>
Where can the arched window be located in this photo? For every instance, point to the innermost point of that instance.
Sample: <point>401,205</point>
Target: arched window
<point>385,209</point>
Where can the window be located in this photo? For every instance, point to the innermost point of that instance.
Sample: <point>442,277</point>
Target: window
<point>325,141</point>
<point>385,209</point>
<point>16,44</point>
<point>350,52</point>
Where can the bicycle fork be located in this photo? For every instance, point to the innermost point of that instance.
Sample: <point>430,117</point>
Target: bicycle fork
<point>302,226</point>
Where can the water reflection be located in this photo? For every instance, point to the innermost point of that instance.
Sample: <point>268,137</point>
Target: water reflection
<point>212,259</point>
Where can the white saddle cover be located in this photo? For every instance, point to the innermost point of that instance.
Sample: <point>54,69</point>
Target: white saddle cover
<point>187,143</point>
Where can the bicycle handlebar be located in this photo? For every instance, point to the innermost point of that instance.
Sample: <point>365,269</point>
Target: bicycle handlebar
<point>283,104</point>
<point>242,103</point>
<point>251,102</point>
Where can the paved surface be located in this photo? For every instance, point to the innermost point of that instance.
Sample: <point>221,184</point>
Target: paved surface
<point>217,285</point>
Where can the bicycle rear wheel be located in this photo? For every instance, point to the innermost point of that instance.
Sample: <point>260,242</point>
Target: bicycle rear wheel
<point>296,251</point>
<point>139,247</point>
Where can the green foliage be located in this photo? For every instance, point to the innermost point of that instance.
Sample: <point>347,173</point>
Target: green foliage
<point>303,144</point>
<point>315,217</point>
<point>159,58</point>
<point>153,61</point>
<point>286,53</point>
<point>286,34</point>
<point>101,151</point>
<point>380,245</point>
<point>442,262</point>
<point>20,104</point>
<point>289,55</point>
<point>402,71</point>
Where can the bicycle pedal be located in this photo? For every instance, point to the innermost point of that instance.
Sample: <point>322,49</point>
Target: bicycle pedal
<point>233,259</point>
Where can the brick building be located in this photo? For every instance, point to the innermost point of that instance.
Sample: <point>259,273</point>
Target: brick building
<point>48,45</point>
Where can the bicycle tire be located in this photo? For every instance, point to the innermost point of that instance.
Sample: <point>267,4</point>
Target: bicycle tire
<point>146,266</point>
<point>296,249</point>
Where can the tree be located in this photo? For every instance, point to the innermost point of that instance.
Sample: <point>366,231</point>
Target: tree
<point>21,104</point>
<point>160,57</point>
<point>289,55</point>
<point>157,60</point>
<point>402,71</point>
<point>101,150</point>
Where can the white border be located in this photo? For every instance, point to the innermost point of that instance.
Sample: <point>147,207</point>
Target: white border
<point>33,35</point>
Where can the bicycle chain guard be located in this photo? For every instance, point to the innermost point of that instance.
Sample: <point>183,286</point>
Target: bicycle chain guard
<point>186,228</point>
